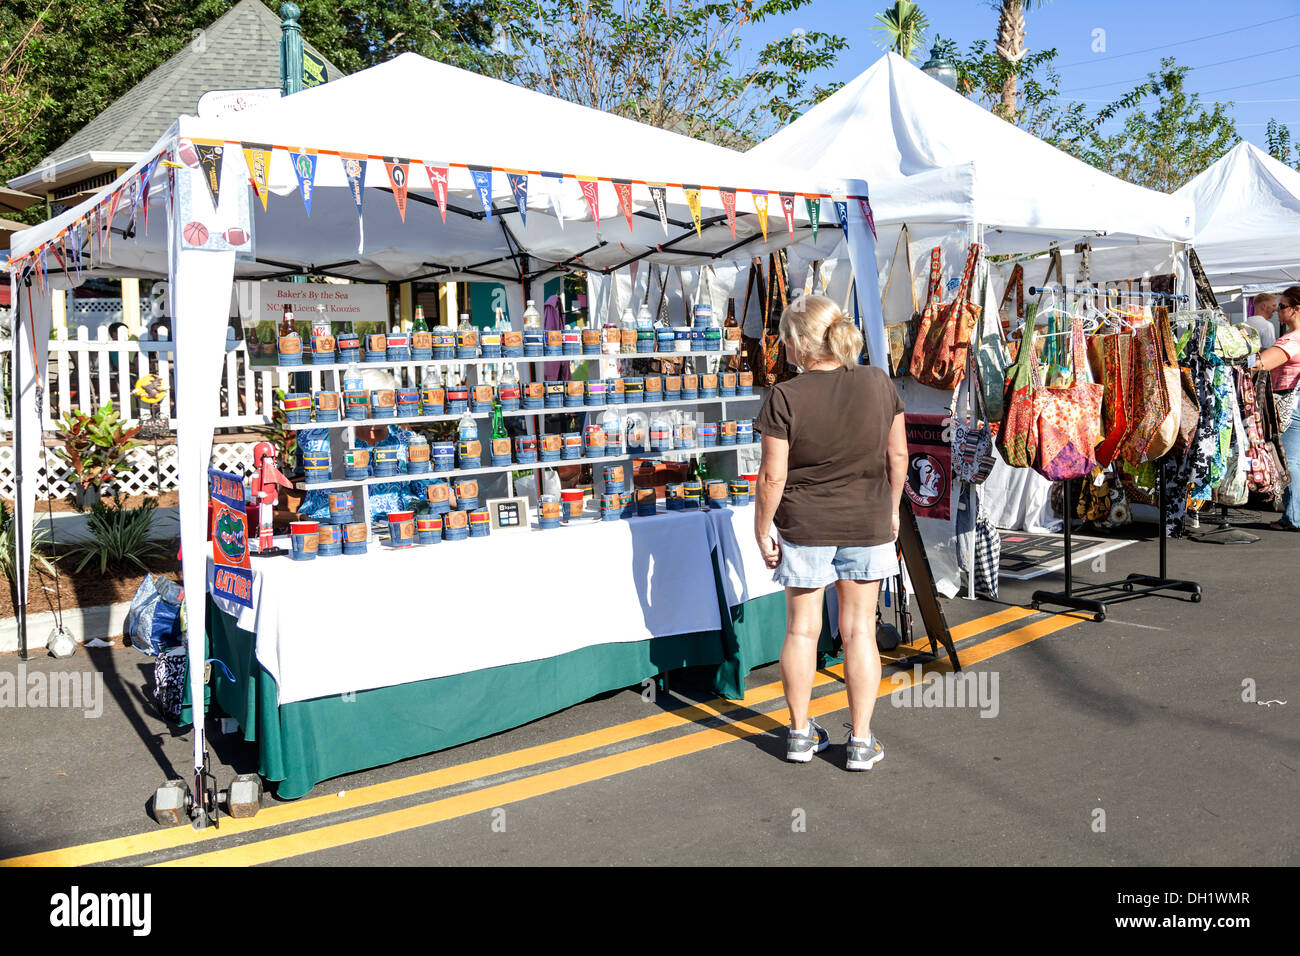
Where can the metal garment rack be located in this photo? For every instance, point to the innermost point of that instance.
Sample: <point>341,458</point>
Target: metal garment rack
<point>1134,585</point>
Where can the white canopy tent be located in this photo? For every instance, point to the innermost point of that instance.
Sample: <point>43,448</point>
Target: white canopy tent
<point>473,122</point>
<point>1247,221</point>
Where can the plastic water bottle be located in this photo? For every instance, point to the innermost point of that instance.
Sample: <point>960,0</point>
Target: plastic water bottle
<point>352,380</point>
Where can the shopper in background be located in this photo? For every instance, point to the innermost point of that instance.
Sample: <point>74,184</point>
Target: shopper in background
<point>833,468</point>
<point>1282,359</point>
<point>1262,321</point>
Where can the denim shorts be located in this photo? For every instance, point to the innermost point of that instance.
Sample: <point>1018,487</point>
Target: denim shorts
<point>815,566</point>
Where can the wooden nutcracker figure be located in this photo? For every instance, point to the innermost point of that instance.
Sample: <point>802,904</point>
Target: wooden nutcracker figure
<point>266,476</point>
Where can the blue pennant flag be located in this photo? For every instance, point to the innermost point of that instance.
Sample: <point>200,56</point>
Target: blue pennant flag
<point>519,186</point>
<point>304,167</point>
<point>483,183</point>
<point>842,211</point>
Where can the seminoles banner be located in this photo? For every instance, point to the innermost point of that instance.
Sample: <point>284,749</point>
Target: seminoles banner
<point>304,167</point>
<point>729,203</point>
<point>659,193</point>
<point>438,183</point>
<point>483,183</point>
<point>232,575</point>
<point>258,158</point>
<point>787,207</point>
<point>693,201</point>
<point>814,214</point>
<point>760,207</point>
<point>591,192</point>
<point>398,177</point>
<point>929,466</point>
<point>623,189</point>
<point>519,189</point>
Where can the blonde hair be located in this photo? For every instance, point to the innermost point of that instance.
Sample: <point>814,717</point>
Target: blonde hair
<point>815,328</point>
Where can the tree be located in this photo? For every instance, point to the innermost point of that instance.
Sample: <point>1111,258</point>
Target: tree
<point>903,27</point>
<point>1010,47</point>
<point>1277,137</point>
<point>21,101</point>
<point>982,76</point>
<point>676,64</point>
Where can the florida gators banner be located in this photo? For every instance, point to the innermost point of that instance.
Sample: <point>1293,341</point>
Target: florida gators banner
<point>304,167</point>
<point>398,178</point>
<point>483,184</point>
<point>438,183</point>
<point>232,575</point>
<point>623,189</point>
<point>729,203</point>
<point>519,189</point>
<point>787,207</point>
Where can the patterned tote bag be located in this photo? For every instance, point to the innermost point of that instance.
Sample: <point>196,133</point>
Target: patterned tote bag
<point>944,337</point>
<point>1069,417</point>
<point>1018,433</point>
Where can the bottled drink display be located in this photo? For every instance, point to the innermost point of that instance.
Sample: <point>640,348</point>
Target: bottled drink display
<point>419,325</point>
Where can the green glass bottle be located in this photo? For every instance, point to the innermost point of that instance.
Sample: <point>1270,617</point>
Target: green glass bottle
<point>498,420</point>
<point>419,325</point>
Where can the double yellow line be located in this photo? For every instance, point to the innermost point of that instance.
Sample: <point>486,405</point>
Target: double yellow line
<point>487,798</point>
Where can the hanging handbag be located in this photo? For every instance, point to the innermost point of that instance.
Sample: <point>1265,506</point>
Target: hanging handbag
<point>1156,396</point>
<point>1284,402</point>
<point>1017,440</point>
<point>900,335</point>
<point>1069,418</point>
<point>991,359</point>
<point>944,335</point>
<point>1232,491</point>
<point>1115,378</point>
<point>1015,284</point>
<point>972,441</point>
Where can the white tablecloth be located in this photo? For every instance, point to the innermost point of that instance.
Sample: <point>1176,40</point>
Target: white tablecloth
<point>355,622</point>
<point>744,575</point>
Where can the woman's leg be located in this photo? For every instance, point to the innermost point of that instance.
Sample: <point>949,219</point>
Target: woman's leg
<point>803,625</point>
<point>1291,497</point>
<point>861,656</point>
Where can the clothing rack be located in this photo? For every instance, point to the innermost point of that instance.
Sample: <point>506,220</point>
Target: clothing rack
<point>1084,290</point>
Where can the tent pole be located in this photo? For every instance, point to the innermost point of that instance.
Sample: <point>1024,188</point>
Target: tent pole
<point>20,575</point>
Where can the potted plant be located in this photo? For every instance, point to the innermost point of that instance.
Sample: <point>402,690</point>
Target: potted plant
<point>96,448</point>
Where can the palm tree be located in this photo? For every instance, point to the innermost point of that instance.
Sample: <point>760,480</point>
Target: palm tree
<point>1011,47</point>
<point>903,28</point>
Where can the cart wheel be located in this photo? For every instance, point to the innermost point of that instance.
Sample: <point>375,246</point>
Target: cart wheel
<point>1034,605</point>
<point>1127,586</point>
<point>1099,618</point>
<point>1196,597</point>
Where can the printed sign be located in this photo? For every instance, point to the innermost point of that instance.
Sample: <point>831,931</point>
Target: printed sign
<point>929,466</point>
<point>232,575</point>
<point>261,310</point>
<point>314,72</point>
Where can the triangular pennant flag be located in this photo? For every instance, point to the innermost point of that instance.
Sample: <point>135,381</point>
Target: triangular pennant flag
<point>304,167</point>
<point>210,158</point>
<point>623,189</point>
<point>866,211</point>
<point>134,187</point>
<point>760,207</point>
<point>842,212</point>
<point>483,183</point>
<point>145,186</point>
<point>729,203</point>
<point>591,192</point>
<point>787,207</point>
<point>438,182</point>
<point>258,158</point>
<point>519,189</point>
<point>814,213</point>
<point>398,176</point>
<point>659,193</point>
<point>555,189</point>
<point>693,201</point>
<point>112,212</point>
<point>354,168</point>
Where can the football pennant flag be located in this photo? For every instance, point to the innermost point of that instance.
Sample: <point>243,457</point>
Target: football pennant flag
<point>729,203</point>
<point>258,158</point>
<point>304,167</point>
<point>623,189</point>
<point>787,207</point>
<point>483,183</point>
<point>438,182</point>
<point>659,193</point>
<point>842,212</point>
<point>232,575</point>
<point>814,213</point>
<point>591,192</point>
<point>760,207</point>
<point>145,184</point>
<point>554,183</point>
<point>866,211</point>
<point>354,168</point>
<point>210,158</point>
<point>398,177</point>
<point>519,189</point>
<point>693,201</point>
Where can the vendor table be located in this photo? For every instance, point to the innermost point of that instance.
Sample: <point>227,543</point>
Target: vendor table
<point>353,662</point>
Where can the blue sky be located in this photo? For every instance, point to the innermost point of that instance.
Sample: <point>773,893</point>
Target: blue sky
<point>1137,33</point>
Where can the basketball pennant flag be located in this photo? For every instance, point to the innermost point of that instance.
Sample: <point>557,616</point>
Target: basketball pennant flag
<point>398,177</point>
<point>814,214</point>
<point>519,189</point>
<point>760,207</point>
<point>258,158</point>
<point>354,168</point>
<point>554,186</point>
<point>304,167</point>
<point>210,159</point>
<point>842,212</point>
<point>729,203</point>
<point>232,575</point>
<point>483,184</point>
<point>659,193</point>
<point>591,192</point>
<point>438,183</point>
<point>693,201</point>
<point>623,189</point>
<point>787,207</point>
<point>866,211</point>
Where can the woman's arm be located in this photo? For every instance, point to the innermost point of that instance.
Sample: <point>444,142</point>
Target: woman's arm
<point>897,456</point>
<point>1271,358</point>
<point>771,485</point>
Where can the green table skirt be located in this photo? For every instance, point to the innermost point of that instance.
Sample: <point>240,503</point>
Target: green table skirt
<point>304,742</point>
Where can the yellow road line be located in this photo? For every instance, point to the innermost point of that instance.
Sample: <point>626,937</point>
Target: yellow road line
<point>153,841</point>
<point>410,818</point>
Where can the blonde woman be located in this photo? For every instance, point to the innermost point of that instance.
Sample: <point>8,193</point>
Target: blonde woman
<point>834,464</point>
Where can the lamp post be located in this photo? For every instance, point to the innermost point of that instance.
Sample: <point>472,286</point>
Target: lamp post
<point>290,50</point>
<point>940,67</point>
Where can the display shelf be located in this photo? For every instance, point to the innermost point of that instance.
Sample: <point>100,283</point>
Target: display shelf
<point>563,410</point>
<point>340,366</point>
<point>498,469</point>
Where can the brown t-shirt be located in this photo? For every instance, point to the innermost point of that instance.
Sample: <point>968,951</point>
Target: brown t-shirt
<point>837,486</point>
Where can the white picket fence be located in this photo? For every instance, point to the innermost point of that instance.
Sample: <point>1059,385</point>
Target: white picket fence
<point>55,478</point>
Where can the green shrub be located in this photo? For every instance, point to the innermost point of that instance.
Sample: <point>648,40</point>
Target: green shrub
<point>119,538</point>
<point>40,537</point>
